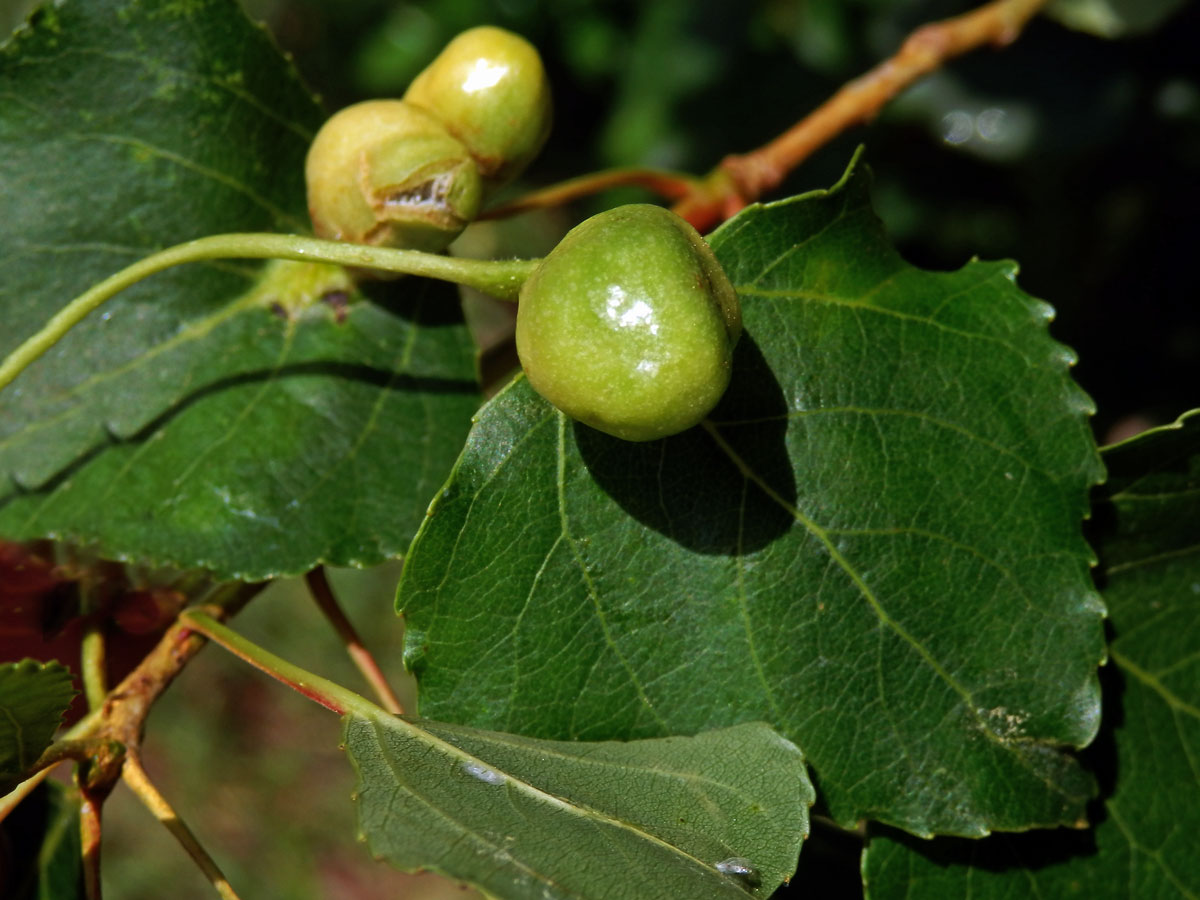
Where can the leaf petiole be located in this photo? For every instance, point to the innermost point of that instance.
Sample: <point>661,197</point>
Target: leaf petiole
<point>500,278</point>
<point>320,690</point>
<point>92,650</point>
<point>364,661</point>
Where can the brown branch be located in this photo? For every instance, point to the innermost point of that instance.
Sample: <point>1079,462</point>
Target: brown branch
<point>74,745</point>
<point>742,179</point>
<point>322,593</point>
<point>668,185</point>
<point>99,740</point>
<point>122,718</point>
<point>102,740</point>
<point>89,835</point>
<point>123,715</point>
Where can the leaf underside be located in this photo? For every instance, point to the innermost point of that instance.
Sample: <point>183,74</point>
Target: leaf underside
<point>1143,843</point>
<point>521,818</point>
<point>876,545</point>
<point>252,420</point>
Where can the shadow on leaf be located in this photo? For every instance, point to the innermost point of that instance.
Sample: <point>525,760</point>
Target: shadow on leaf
<point>380,378</point>
<point>691,488</point>
<point>431,304</point>
<point>1029,851</point>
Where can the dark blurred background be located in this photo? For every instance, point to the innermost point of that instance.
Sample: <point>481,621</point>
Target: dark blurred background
<point>1078,157</point>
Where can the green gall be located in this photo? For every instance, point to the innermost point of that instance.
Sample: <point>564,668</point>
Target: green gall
<point>629,324</point>
<point>387,173</point>
<point>489,88</point>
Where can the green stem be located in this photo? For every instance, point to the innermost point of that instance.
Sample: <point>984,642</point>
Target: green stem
<point>500,278</point>
<point>93,663</point>
<point>314,687</point>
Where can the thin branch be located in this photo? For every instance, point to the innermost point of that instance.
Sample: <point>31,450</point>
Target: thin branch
<point>95,775</point>
<point>115,728</point>
<point>89,833</point>
<point>668,185</point>
<point>743,179</point>
<point>134,775</point>
<point>118,721</point>
<point>124,713</point>
<point>92,734</point>
<point>322,593</point>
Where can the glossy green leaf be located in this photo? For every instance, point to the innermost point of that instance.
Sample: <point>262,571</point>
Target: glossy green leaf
<point>1143,843</point>
<point>1113,18</point>
<point>246,419</point>
<point>33,698</point>
<point>522,818</point>
<point>876,546</point>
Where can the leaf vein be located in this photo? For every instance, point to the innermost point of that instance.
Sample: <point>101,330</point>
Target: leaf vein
<point>1152,681</point>
<point>593,594</point>
<point>277,213</point>
<point>822,536</point>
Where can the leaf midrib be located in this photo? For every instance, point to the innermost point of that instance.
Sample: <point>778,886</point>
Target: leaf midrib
<point>580,810</point>
<point>544,748</point>
<point>864,590</point>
